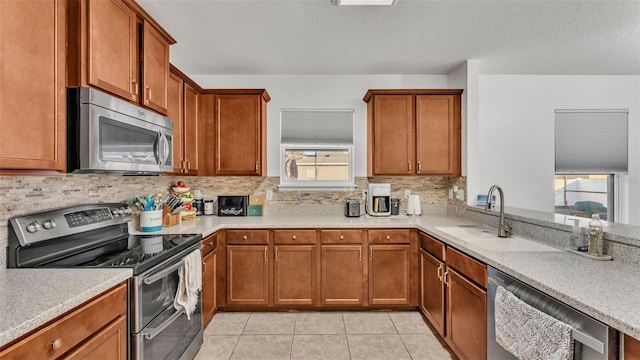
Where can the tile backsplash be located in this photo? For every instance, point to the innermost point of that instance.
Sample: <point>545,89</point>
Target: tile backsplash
<point>27,194</point>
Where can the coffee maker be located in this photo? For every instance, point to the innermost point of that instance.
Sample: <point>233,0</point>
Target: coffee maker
<point>379,200</point>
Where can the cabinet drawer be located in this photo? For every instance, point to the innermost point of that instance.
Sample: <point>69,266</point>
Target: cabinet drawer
<point>294,237</point>
<point>386,236</point>
<point>247,237</point>
<point>469,267</point>
<point>209,244</point>
<point>72,329</point>
<point>433,246</point>
<point>341,236</point>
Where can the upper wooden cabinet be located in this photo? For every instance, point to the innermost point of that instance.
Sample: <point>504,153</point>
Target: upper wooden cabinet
<point>110,41</point>
<point>239,133</point>
<point>183,109</point>
<point>414,132</point>
<point>32,85</point>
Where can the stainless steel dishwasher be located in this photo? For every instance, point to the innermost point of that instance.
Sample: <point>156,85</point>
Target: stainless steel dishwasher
<point>591,337</point>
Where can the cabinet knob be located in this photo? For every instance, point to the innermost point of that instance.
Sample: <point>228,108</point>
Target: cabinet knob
<point>211,243</point>
<point>341,237</point>
<point>388,237</point>
<point>245,237</point>
<point>294,237</point>
<point>57,344</point>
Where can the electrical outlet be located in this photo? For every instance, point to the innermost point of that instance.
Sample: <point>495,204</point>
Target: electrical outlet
<point>450,193</point>
<point>407,193</point>
<point>364,194</point>
<point>460,195</point>
<point>269,195</point>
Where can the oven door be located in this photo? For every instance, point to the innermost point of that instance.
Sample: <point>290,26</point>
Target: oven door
<point>170,336</point>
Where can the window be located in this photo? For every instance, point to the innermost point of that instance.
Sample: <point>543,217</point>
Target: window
<point>584,195</point>
<point>316,149</point>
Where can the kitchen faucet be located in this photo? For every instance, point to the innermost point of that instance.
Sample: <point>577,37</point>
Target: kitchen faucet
<point>503,228</point>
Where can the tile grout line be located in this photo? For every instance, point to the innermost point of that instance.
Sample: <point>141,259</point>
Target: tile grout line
<point>346,335</point>
<point>241,333</point>
<point>295,323</point>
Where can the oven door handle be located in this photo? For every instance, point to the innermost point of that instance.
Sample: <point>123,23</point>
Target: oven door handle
<point>159,275</point>
<point>152,333</point>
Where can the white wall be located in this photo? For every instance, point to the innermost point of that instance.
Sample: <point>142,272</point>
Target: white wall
<point>515,135</point>
<point>319,91</point>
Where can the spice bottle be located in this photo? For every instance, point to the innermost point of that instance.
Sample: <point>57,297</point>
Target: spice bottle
<point>596,242</point>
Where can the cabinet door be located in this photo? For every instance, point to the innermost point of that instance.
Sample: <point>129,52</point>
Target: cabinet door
<point>174,112</point>
<point>108,343</point>
<point>155,68</point>
<point>247,275</point>
<point>432,290</point>
<point>631,348</point>
<point>294,275</point>
<point>435,134</point>
<point>466,317</point>
<point>238,134</point>
<point>113,48</point>
<point>208,287</point>
<point>393,135</point>
<point>389,275</point>
<point>341,275</point>
<point>32,85</point>
<point>190,129</point>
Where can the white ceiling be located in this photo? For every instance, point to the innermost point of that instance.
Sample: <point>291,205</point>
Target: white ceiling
<point>410,37</point>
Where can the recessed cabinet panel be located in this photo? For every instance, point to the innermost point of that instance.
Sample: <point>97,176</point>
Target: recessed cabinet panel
<point>432,290</point>
<point>174,112</point>
<point>294,275</point>
<point>247,275</point>
<point>155,69</point>
<point>190,130</point>
<point>342,275</point>
<point>238,135</point>
<point>113,48</point>
<point>389,275</point>
<point>394,135</point>
<point>435,133</point>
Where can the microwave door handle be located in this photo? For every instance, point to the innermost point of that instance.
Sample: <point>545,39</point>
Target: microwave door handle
<point>162,148</point>
<point>156,147</point>
<point>165,149</point>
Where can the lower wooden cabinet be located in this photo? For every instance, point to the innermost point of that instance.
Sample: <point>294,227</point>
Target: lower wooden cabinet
<point>98,327</point>
<point>294,275</point>
<point>341,275</point>
<point>247,275</point>
<point>209,284</point>
<point>631,348</point>
<point>432,290</point>
<point>389,274</point>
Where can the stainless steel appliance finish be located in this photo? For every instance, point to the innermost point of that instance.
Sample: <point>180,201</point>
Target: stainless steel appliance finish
<point>352,208</point>
<point>591,337</point>
<point>504,229</point>
<point>106,134</point>
<point>97,236</point>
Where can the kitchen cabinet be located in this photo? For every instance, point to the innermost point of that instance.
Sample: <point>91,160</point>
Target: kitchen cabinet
<point>466,306</point>
<point>631,348</point>
<point>239,133</point>
<point>294,271</point>
<point>414,132</point>
<point>432,287</point>
<point>97,327</point>
<point>342,269</point>
<point>116,46</point>
<point>184,109</point>
<point>247,267</point>
<point>33,85</point>
<point>209,281</point>
<point>389,267</point>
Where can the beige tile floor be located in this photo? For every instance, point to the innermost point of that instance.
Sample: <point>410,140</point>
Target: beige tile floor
<point>320,335</point>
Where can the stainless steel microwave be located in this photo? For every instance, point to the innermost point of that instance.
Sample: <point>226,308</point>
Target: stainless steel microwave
<point>106,134</point>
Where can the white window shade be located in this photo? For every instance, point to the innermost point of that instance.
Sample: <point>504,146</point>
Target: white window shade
<point>308,126</point>
<point>591,141</point>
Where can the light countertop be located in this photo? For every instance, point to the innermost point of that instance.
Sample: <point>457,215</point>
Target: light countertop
<point>31,297</point>
<point>608,291</point>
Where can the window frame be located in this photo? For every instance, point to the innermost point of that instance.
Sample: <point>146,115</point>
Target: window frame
<point>612,185</point>
<point>317,185</point>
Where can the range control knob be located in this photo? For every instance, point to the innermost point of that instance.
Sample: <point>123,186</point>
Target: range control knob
<point>33,227</point>
<point>49,224</point>
<point>127,211</point>
<point>120,211</point>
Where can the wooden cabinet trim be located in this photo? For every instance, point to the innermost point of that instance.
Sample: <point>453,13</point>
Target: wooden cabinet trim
<point>631,348</point>
<point>108,343</point>
<point>261,92</point>
<point>209,244</point>
<point>471,268</point>
<point>145,15</point>
<point>369,94</point>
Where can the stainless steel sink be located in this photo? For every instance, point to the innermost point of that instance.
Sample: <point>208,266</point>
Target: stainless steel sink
<point>487,238</point>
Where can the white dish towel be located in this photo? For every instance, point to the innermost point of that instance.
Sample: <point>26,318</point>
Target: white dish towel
<point>527,332</point>
<point>190,283</point>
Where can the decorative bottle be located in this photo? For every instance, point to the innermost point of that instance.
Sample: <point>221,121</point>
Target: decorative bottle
<point>575,239</point>
<point>595,236</point>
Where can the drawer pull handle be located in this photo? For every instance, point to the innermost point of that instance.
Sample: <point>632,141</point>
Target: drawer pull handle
<point>440,272</point>
<point>293,237</point>
<point>244,237</point>
<point>265,254</point>
<point>57,344</point>
<point>388,237</point>
<point>276,253</point>
<point>341,237</point>
<point>370,253</point>
<point>409,166</point>
<point>446,273</point>
<point>360,253</point>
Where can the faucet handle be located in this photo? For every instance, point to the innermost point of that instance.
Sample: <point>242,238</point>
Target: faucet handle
<point>507,228</point>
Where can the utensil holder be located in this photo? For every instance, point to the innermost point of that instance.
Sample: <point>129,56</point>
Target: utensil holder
<point>151,221</point>
<point>168,219</point>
